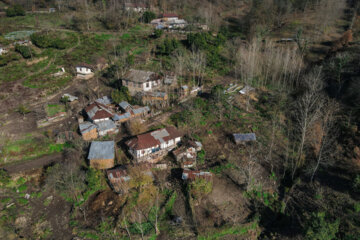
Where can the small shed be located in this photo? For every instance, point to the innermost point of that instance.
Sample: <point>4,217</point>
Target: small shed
<point>241,138</point>
<point>88,131</point>
<point>102,154</point>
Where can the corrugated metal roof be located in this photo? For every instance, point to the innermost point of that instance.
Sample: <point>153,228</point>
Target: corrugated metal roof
<point>124,105</point>
<point>106,100</point>
<point>192,175</point>
<point>141,110</point>
<point>153,138</point>
<point>86,127</point>
<point>238,137</point>
<point>102,150</point>
<point>106,125</point>
<point>117,117</point>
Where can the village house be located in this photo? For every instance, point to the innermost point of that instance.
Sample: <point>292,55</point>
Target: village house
<point>130,112</point>
<point>106,127</point>
<point>88,131</point>
<point>136,7</point>
<point>152,146</point>
<point>169,21</point>
<point>187,153</point>
<point>244,138</point>
<point>84,71</point>
<point>102,154</point>
<point>138,80</point>
<point>119,177</point>
<point>98,112</point>
<point>191,175</point>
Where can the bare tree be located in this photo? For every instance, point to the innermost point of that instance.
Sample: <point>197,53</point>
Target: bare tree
<point>307,111</point>
<point>326,137</point>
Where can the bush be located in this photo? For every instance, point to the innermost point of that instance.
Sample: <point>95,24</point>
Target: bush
<point>25,51</point>
<point>5,59</point>
<point>148,16</point>
<point>121,95</point>
<point>167,47</point>
<point>158,33</point>
<point>15,10</point>
<point>53,40</point>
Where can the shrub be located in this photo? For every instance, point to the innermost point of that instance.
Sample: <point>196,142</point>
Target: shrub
<point>199,187</point>
<point>167,47</point>
<point>158,33</point>
<point>53,40</point>
<point>121,95</point>
<point>356,183</point>
<point>320,229</point>
<point>148,16</point>
<point>25,51</point>
<point>15,10</point>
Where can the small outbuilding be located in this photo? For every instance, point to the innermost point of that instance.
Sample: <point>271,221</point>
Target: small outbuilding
<point>102,154</point>
<point>88,131</point>
<point>240,138</point>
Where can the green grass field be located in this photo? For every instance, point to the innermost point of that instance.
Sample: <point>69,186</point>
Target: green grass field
<point>53,109</point>
<point>28,148</point>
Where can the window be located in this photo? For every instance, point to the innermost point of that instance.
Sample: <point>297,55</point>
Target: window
<point>147,85</point>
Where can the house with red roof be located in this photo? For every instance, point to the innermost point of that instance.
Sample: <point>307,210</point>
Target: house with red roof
<point>98,112</point>
<point>152,146</point>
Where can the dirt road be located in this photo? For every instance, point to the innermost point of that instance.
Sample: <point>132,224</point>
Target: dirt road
<point>33,164</point>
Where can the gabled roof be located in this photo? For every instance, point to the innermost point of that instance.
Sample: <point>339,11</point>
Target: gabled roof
<point>140,76</point>
<point>124,105</point>
<point>102,150</point>
<point>97,110</point>
<point>117,117</point>
<point>86,127</point>
<point>106,125</point>
<point>153,139</point>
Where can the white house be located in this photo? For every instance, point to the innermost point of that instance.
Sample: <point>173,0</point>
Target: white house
<point>84,71</point>
<point>144,146</point>
<point>138,81</point>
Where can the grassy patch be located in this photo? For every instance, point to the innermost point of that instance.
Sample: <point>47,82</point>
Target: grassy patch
<point>28,148</point>
<point>53,109</point>
<point>229,231</point>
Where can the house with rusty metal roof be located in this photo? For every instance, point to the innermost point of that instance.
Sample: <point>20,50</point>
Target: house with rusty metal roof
<point>152,146</point>
<point>119,177</point>
<point>191,175</point>
<point>98,112</point>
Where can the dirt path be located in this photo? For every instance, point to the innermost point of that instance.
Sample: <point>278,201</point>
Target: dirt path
<point>33,164</point>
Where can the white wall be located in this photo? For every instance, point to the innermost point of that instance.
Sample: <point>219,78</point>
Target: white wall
<point>83,70</point>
